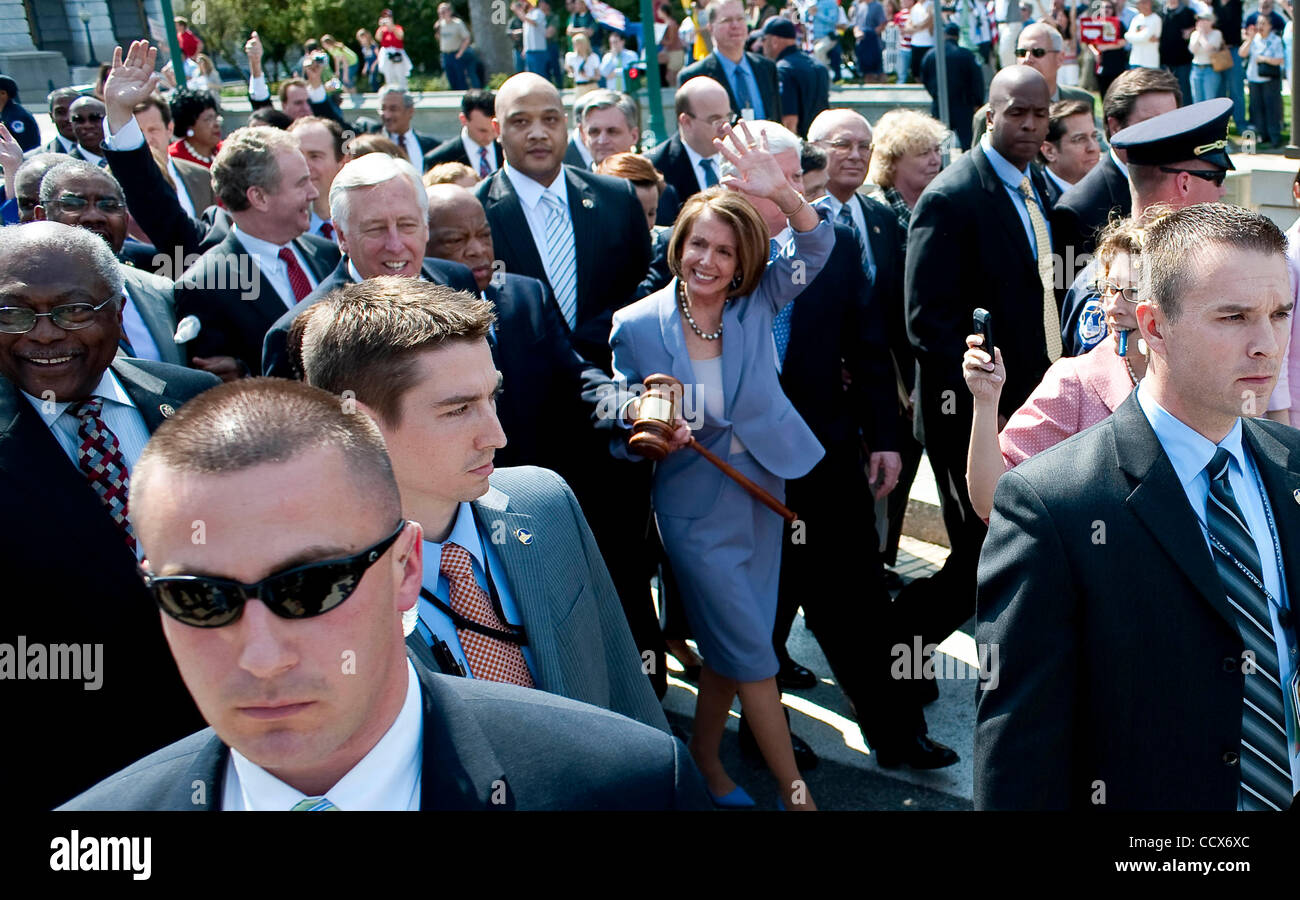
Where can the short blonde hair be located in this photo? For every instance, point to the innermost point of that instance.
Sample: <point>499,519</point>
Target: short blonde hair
<point>899,133</point>
<point>450,173</point>
<point>746,224</point>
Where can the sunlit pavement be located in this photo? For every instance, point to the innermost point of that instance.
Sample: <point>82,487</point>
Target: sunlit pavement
<point>848,777</point>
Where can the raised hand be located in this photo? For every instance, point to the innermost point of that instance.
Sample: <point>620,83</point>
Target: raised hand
<point>253,50</point>
<point>984,376</point>
<point>11,157</point>
<point>130,82</point>
<point>757,172</point>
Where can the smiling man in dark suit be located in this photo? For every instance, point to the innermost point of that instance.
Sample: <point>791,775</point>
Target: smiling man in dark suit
<point>73,421</point>
<point>583,234</point>
<point>75,193</point>
<point>379,206</point>
<point>292,728</point>
<point>751,81</point>
<point>1140,577</point>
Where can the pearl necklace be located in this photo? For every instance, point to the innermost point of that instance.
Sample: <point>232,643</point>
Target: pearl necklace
<point>196,154</point>
<point>690,320</point>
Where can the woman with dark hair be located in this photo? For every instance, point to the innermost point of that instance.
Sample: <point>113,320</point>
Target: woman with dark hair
<point>725,546</point>
<point>197,124</point>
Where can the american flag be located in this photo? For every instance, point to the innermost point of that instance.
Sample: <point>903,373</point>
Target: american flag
<point>607,15</point>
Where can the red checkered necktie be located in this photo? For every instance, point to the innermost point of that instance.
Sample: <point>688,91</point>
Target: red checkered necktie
<point>100,459</point>
<point>484,170</point>
<point>297,277</point>
<point>490,659</point>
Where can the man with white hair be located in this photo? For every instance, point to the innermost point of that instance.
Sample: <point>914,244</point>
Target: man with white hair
<point>397,108</point>
<point>380,212</point>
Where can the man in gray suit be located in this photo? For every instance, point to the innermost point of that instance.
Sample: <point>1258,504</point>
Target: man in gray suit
<point>82,195</point>
<point>514,586</point>
<point>305,680</point>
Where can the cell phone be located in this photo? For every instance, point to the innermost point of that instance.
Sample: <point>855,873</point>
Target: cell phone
<point>983,320</point>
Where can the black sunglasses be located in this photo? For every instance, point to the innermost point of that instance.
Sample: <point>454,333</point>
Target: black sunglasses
<point>1038,52</point>
<point>1215,175</point>
<point>298,593</point>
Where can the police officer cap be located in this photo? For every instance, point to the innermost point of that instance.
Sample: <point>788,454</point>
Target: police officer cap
<point>779,27</point>
<point>1198,131</point>
<point>9,86</point>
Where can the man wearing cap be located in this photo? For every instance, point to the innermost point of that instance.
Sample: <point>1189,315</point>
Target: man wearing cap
<point>15,117</point>
<point>805,85</point>
<point>1138,577</point>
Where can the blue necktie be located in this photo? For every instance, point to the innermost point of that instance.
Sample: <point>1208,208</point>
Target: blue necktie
<point>710,174</point>
<point>560,265</point>
<point>781,324</point>
<point>845,217</point>
<point>743,99</point>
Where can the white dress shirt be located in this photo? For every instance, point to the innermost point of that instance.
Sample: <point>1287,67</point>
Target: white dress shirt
<point>530,198</point>
<point>410,146</point>
<point>1057,179</point>
<point>387,778</point>
<point>833,204</point>
<point>182,195</point>
<point>268,260</point>
<point>695,166</point>
<point>137,332</point>
<point>472,149</point>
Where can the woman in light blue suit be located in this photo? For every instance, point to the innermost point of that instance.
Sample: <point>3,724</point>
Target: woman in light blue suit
<point>712,328</point>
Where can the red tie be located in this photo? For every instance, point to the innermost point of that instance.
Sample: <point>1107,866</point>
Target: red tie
<point>328,230</point>
<point>483,170</point>
<point>490,659</point>
<point>100,459</point>
<point>297,277</point>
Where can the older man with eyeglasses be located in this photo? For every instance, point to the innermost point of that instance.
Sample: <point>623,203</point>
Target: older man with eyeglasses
<point>77,417</point>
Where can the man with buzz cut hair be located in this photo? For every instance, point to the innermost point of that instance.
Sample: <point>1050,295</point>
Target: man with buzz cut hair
<point>291,728</point>
<point>416,358</point>
<point>65,139</point>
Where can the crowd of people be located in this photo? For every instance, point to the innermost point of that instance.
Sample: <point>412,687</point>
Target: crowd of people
<point>503,421</point>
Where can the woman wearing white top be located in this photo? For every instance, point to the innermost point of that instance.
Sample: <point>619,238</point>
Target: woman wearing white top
<point>582,65</point>
<point>1204,42</point>
<point>1144,34</point>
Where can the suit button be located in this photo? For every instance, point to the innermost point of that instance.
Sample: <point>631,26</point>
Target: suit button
<point>1230,664</point>
<point>1230,758</point>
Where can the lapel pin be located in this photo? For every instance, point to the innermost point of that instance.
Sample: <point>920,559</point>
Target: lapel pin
<point>168,411</point>
<point>1296,495</point>
<point>586,203</point>
<point>876,229</point>
<point>526,537</point>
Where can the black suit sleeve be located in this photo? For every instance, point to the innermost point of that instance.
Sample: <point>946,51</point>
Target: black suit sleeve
<point>153,203</point>
<point>872,366</point>
<point>1025,716</point>
<point>935,287</point>
<point>658,275</point>
<point>574,376</point>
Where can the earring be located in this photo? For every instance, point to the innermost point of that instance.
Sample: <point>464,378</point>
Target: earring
<point>1142,347</point>
<point>735,282</point>
<point>190,133</point>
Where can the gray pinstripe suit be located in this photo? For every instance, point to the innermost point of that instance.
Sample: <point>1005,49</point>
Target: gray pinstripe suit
<point>577,633</point>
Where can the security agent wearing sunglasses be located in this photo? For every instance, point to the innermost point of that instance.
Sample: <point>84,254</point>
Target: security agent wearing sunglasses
<point>285,618</point>
<point>73,422</point>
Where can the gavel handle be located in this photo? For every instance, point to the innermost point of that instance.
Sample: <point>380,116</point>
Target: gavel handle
<point>755,491</point>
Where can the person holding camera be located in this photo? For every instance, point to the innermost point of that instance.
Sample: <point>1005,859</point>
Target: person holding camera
<point>394,64</point>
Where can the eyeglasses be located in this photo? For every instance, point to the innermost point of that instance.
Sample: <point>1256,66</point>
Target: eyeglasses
<point>718,121</point>
<point>1108,289</point>
<point>73,203</point>
<point>298,593</point>
<point>1038,52</point>
<point>69,317</point>
<point>1217,176</point>
<point>1084,137</point>
<point>844,146</point>
<point>87,117</point>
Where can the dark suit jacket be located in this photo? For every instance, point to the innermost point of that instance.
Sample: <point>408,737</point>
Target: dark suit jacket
<point>152,296</point>
<point>154,206</point>
<point>965,223</point>
<point>234,324</point>
<point>769,85</point>
<point>839,319</point>
<point>573,156</point>
<point>1085,208</point>
<point>671,160</point>
<point>453,150</point>
<point>72,580</point>
<point>1120,661</point>
<point>548,751</point>
<point>611,242</point>
<point>274,355</point>
<point>965,87</point>
<point>805,87</point>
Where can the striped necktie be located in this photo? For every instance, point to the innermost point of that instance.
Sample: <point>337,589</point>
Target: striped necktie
<point>845,217</point>
<point>1051,315</point>
<point>484,170</point>
<point>314,804</point>
<point>1265,767</point>
<point>561,268</point>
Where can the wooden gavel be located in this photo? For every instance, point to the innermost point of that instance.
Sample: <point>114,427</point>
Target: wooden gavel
<point>652,434</point>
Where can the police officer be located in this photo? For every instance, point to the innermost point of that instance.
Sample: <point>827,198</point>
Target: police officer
<point>805,84</point>
<point>17,119</point>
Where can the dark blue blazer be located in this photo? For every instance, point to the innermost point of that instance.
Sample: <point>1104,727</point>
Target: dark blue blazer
<point>805,87</point>
<point>550,753</point>
<point>769,84</point>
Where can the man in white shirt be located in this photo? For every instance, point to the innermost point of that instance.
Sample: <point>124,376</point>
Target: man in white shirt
<point>688,160</point>
<point>312,700</point>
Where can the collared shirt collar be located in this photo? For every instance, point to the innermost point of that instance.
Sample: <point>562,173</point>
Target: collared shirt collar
<point>472,148</point>
<point>464,533</point>
<point>530,191</point>
<point>1057,179</point>
<point>1188,450</point>
<point>386,778</point>
<point>695,160</point>
<point>730,67</point>
<point>1119,163</point>
<point>257,246</point>
<point>353,273</point>
<point>109,388</point>
<point>1006,171</point>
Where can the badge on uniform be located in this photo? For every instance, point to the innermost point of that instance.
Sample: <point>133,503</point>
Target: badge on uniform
<point>167,410</point>
<point>525,536</point>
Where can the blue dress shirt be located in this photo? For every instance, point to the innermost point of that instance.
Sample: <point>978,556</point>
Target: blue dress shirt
<point>742,70</point>
<point>1011,177</point>
<point>465,533</point>
<point>1190,452</point>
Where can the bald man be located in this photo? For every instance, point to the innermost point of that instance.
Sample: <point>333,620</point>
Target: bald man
<point>978,238</point>
<point>688,160</point>
<point>1041,48</point>
<point>600,250</point>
